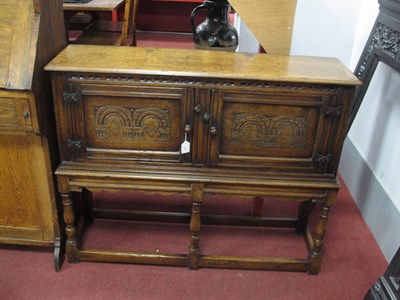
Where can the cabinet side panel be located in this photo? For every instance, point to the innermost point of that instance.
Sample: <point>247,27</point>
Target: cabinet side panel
<point>25,202</point>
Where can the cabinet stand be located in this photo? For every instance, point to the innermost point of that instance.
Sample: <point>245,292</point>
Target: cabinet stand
<point>74,180</point>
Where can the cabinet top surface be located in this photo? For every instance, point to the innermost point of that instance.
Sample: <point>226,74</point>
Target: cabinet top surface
<point>201,63</point>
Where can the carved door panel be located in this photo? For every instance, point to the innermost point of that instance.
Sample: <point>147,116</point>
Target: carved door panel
<point>275,132</point>
<point>124,123</point>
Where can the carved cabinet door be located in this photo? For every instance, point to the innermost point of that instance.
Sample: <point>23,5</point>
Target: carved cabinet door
<point>275,131</point>
<point>127,123</point>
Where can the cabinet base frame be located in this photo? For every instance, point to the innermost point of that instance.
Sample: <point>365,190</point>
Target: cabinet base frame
<point>209,261</point>
<point>74,181</point>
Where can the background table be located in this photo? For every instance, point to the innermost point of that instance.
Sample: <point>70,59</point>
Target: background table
<point>96,6</point>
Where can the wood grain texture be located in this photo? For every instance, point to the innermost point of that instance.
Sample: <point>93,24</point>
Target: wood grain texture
<point>103,32</point>
<point>18,43</point>
<point>29,206</point>
<point>94,5</point>
<point>201,63</point>
<point>270,21</point>
<point>31,33</point>
<point>7,26</point>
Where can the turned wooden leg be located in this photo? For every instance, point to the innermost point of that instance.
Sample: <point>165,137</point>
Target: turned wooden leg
<point>195,226</point>
<point>305,210</point>
<point>70,229</point>
<point>315,255</point>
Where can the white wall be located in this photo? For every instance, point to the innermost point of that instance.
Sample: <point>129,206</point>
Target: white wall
<point>247,41</point>
<point>376,130</point>
<point>367,14</point>
<point>370,160</point>
<point>325,28</point>
<point>340,28</point>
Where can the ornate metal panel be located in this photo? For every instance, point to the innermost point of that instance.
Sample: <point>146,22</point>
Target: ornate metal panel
<point>383,45</point>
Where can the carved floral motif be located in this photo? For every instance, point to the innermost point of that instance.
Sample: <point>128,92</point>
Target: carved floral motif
<point>385,39</point>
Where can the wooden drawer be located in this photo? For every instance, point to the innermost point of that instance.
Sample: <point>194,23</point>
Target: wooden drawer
<point>15,114</point>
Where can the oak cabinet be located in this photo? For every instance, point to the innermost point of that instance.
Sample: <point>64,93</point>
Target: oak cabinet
<point>272,130</point>
<point>31,35</point>
<point>200,123</point>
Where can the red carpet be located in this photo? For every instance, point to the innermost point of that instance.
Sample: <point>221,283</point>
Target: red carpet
<point>351,262</point>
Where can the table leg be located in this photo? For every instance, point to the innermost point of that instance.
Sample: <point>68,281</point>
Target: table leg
<point>195,226</point>
<point>315,253</point>
<point>70,229</point>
